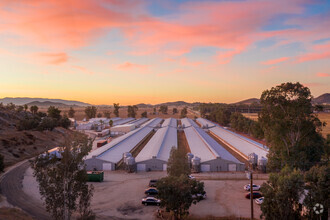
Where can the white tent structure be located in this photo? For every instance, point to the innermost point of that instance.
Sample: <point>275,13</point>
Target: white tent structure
<point>240,144</point>
<point>155,154</point>
<point>107,156</point>
<point>213,156</point>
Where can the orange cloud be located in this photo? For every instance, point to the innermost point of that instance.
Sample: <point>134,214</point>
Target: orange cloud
<point>54,58</point>
<point>323,75</point>
<point>275,61</point>
<point>132,66</point>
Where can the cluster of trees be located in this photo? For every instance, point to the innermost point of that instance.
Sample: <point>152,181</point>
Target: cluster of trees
<point>175,111</point>
<point>163,109</point>
<point>291,128</point>
<point>63,181</point>
<point>292,193</point>
<point>298,156</point>
<point>144,114</point>
<point>225,115</point>
<point>177,191</point>
<point>131,111</point>
<point>42,121</point>
<point>116,109</point>
<point>90,112</point>
<point>184,112</point>
<point>243,124</point>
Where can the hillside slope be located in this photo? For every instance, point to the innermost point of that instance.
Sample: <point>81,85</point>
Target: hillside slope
<point>18,145</point>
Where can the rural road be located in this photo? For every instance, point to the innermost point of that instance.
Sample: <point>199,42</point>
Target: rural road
<point>12,188</point>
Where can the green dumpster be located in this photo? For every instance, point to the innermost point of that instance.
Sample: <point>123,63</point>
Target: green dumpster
<point>95,176</point>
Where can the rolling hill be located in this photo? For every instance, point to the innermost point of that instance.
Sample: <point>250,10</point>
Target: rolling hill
<point>25,100</point>
<point>322,99</point>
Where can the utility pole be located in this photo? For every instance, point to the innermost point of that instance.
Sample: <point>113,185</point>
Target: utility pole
<point>251,193</point>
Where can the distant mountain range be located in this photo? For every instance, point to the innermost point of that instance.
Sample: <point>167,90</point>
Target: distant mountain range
<point>322,99</point>
<point>47,103</point>
<point>23,101</point>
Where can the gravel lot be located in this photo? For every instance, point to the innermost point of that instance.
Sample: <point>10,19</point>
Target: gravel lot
<point>119,196</point>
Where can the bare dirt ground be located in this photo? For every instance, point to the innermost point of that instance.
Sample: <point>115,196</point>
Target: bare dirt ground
<point>119,196</point>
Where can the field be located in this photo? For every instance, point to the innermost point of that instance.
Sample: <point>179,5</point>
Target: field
<point>323,116</point>
<point>80,114</point>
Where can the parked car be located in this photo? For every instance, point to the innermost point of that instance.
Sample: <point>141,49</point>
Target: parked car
<point>200,196</point>
<point>153,183</point>
<point>260,200</point>
<point>191,177</point>
<point>150,201</point>
<point>255,195</point>
<point>151,191</point>
<point>255,187</point>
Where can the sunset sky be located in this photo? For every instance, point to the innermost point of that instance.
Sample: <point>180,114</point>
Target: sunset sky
<point>153,51</point>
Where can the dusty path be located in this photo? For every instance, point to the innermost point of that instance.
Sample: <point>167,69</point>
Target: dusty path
<point>12,188</point>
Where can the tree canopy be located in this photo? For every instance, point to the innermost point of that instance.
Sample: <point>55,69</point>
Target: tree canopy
<point>178,193</point>
<point>90,112</point>
<point>178,163</point>
<point>290,127</point>
<point>282,193</point>
<point>144,114</point>
<point>34,109</point>
<point>116,110</point>
<point>131,111</point>
<point>71,112</point>
<point>62,181</point>
<point>184,112</point>
<point>54,112</point>
<point>163,109</point>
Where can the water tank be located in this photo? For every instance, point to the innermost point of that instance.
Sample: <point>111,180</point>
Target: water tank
<point>190,156</point>
<point>196,163</point>
<point>130,161</point>
<point>125,156</point>
<point>253,159</point>
<point>262,163</point>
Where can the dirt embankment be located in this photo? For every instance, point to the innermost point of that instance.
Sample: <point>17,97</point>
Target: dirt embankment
<point>18,145</point>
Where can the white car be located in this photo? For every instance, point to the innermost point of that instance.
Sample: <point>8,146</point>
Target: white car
<point>150,201</point>
<point>191,177</point>
<point>255,187</point>
<point>200,196</point>
<point>259,201</point>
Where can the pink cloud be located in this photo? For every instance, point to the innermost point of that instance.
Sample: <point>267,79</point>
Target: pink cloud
<point>323,75</point>
<point>314,56</point>
<point>54,58</point>
<point>230,26</point>
<point>132,66</point>
<point>275,61</point>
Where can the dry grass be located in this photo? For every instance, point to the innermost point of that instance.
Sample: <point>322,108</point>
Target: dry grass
<point>13,214</point>
<point>324,117</point>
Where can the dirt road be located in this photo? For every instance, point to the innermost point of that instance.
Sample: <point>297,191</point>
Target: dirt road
<point>12,188</point>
